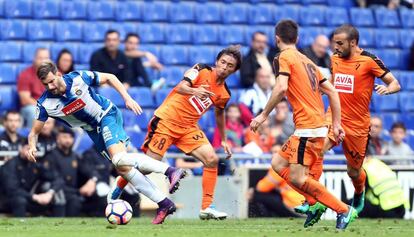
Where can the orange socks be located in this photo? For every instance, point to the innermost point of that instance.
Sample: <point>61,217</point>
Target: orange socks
<point>359,183</point>
<point>208,184</point>
<point>318,191</point>
<point>285,175</point>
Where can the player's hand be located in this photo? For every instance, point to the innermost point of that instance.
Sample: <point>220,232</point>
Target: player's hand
<point>133,106</point>
<point>202,92</point>
<point>339,133</point>
<point>44,198</point>
<point>256,122</point>
<point>88,189</point>
<point>31,154</point>
<point>227,149</point>
<point>381,90</point>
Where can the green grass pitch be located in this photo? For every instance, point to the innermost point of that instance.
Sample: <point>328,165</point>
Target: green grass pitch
<point>91,227</point>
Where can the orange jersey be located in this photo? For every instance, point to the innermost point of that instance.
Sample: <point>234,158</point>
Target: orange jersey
<point>354,80</point>
<point>185,110</point>
<point>303,87</point>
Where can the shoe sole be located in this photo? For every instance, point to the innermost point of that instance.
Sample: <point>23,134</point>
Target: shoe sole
<point>211,217</point>
<point>176,185</point>
<point>315,220</point>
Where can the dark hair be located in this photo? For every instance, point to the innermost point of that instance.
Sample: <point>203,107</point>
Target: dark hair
<point>129,35</point>
<point>63,51</point>
<point>8,112</point>
<point>45,68</point>
<point>349,30</point>
<point>287,30</point>
<point>64,129</point>
<point>232,105</point>
<point>398,125</point>
<point>110,31</point>
<point>233,51</point>
<point>257,33</point>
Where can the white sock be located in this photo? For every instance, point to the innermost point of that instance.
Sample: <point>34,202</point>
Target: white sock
<point>146,164</point>
<point>144,185</point>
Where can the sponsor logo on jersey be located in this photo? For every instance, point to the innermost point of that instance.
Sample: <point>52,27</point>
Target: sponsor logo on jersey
<point>73,107</point>
<point>199,104</point>
<point>344,83</point>
<point>78,92</point>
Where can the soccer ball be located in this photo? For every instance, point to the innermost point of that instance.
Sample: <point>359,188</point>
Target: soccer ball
<point>118,212</point>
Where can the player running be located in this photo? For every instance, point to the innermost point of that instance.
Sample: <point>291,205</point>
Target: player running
<point>175,122</point>
<point>299,78</point>
<point>71,99</point>
<point>353,75</point>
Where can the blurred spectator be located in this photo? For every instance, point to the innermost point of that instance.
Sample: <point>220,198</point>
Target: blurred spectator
<point>79,177</point>
<point>30,88</point>
<point>10,140</point>
<point>262,137</point>
<point>256,98</point>
<point>318,51</point>
<point>234,130</point>
<point>46,141</point>
<point>64,61</point>
<point>255,59</point>
<point>111,59</point>
<point>139,76</point>
<point>391,4</point>
<point>25,186</point>
<point>384,197</point>
<point>397,146</point>
<point>407,3</point>
<point>282,125</point>
<point>376,145</point>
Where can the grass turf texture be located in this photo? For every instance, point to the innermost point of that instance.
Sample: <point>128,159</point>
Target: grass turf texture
<point>91,227</point>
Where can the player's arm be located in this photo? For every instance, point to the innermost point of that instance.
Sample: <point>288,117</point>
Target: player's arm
<point>112,80</point>
<point>278,93</point>
<point>393,86</point>
<point>184,88</point>
<point>221,121</point>
<point>327,88</point>
<point>32,139</point>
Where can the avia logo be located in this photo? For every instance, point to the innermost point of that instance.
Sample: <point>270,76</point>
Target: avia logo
<point>73,107</point>
<point>200,105</point>
<point>344,83</point>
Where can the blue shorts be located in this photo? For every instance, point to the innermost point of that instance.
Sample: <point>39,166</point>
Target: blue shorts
<point>110,132</point>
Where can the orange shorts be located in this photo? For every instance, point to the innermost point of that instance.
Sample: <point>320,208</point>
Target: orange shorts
<point>302,150</point>
<point>162,134</point>
<point>354,146</point>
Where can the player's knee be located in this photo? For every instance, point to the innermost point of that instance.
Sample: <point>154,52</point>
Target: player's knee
<point>123,170</point>
<point>276,165</point>
<point>211,161</point>
<point>122,159</point>
<point>297,178</point>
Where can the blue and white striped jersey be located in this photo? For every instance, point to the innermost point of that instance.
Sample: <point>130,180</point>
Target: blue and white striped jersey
<point>79,106</point>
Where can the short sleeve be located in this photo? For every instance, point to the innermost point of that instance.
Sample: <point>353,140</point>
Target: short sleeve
<point>91,78</point>
<point>281,65</point>
<point>41,113</point>
<point>193,74</point>
<point>378,68</point>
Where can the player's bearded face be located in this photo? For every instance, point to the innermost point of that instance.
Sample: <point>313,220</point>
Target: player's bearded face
<point>225,66</point>
<point>342,45</point>
<point>51,82</point>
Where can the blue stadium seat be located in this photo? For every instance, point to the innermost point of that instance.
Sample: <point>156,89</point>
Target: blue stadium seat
<point>388,119</point>
<point>72,47</point>
<point>46,9</point>
<point>136,138</point>
<point>408,120</point>
<point>21,67</point>
<point>179,34</point>
<point>202,54</point>
<point>336,16</point>
<point>161,95</point>
<point>312,15</point>
<point>208,13</point>
<point>129,11</point>
<point>410,140</point>
<point>387,38</point>
<point>129,117</point>
<point>1,8</point>
<point>366,37</point>
<point>174,55</point>
<point>24,131</point>
<point>149,113</point>
<point>151,33</point>
<point>231,35</point>
<point>236,13</point>
<point>407,18</point>
<point>362,17</point>
<point>10,51</point>
<point>390,57</point>
<point>95,32</point>
<point>261,14</point>
<point>233,81</point>
<point>406,101</point>
<point>29,50</point>
<point>207,121</point>
<point>406,38</point>
<point>408,77</point>
<point>101,11</point>
<point>156,12</point>
<point>182,12</point>
<point>8,98</point>
<point>13,30</point>
<point>387,103</point>
<point>405,59</point>
<point>124,28</point>
<point>386,18</point>
<point>205,34</point>
<point>18,9</point>
<point>315,2</point>
<point>235,95</point>
<point>69,31</point>
<point>173,75</point>
<point>338,150</point>
<point>8,73</point>
<point>154,49</point>
<point>287,12</point>
<point>41,30</point>
<point>113,95</point>
<point>73,10</point>
<point>308,35</point>
<point>83,142</point>
<point>86,50</point>
<point>341,3</point>
<point>325,100</point>
<point>142,95</point>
